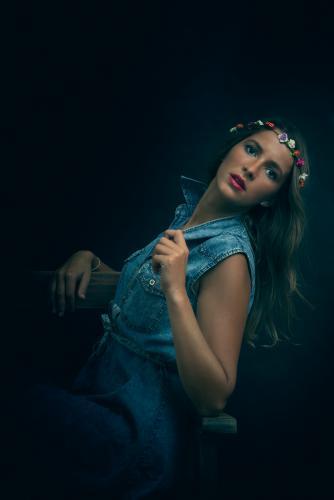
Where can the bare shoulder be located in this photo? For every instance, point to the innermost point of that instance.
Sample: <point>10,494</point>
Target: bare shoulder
<point>226,278</point>
<point>222,309</point>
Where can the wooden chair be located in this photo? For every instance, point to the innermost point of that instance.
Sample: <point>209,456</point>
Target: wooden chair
<point>100,291</point>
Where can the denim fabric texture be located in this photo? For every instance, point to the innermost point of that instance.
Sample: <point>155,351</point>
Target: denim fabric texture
<point>126,429</point>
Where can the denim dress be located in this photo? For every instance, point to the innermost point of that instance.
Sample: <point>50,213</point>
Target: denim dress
<point>126,428</point>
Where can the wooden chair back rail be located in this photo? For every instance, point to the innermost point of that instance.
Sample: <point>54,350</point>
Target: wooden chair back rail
<point>100,291</point>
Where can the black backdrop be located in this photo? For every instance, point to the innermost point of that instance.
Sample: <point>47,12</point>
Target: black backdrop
<point>108,106</point>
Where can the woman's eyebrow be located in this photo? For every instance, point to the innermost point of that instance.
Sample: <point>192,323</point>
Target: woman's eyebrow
<point>274,163</point>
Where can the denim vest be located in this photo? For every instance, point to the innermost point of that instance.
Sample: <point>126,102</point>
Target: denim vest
<point>138,315</point>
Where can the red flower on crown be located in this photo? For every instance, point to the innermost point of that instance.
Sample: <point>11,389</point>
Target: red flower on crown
<point>270,124</point>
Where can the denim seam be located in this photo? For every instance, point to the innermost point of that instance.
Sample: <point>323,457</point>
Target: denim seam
<point>132,346</point>
<point>251,259</point>
<point>213,261</point>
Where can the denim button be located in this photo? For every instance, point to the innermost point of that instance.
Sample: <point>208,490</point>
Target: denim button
<point>152,282</point>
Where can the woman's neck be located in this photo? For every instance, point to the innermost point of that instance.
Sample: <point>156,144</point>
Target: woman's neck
<point>210,207</point>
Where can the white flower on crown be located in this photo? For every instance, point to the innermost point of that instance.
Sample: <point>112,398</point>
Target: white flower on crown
<point>259,122</point>
<point>303,176</point>
<point>291,143</point>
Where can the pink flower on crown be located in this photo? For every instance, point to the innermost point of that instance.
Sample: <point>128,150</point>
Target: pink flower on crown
<point>300,162</point>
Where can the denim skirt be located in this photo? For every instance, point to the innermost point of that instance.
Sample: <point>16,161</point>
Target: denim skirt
<point>125,429</point>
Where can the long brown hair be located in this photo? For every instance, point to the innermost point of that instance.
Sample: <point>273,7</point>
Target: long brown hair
<point>276,234</point>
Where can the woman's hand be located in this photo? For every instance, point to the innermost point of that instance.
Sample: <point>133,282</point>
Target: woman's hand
<point>170,257</point>
<point>70,281</point>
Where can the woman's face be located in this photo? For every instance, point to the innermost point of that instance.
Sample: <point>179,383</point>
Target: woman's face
<point>262,162</point>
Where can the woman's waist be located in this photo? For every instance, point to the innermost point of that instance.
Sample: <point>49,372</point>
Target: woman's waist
<point>158,348</point>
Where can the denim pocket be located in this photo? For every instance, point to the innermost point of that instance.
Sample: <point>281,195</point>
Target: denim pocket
<point>144,304</point>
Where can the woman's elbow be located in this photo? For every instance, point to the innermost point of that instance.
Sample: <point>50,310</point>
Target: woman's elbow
<point>212,411</point>
<point>213,405</point>
<point>217,408</point>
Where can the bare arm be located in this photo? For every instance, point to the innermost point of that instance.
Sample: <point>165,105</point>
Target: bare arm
<point>207,343</point>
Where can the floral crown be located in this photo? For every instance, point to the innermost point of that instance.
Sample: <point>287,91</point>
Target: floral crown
<point>284,139</point>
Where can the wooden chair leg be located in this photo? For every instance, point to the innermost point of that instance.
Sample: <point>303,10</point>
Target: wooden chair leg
<point>213,433</point>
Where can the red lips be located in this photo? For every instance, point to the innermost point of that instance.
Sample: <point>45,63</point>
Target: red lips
<point>239,180</point>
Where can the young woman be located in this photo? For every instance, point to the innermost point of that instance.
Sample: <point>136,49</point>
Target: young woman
<point>184,305</point>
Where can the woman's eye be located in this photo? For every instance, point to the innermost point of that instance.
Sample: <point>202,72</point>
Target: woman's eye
<point>250,149</point>
<point>273,171</point>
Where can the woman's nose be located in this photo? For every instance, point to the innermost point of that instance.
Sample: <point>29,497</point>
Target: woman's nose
<point>248,173</point>
<point>250,170</point>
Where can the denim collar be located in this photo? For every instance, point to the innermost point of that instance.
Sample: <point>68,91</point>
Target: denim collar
<point>193,190</point>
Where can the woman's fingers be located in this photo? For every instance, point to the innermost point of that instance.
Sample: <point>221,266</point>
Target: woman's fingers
<point>70,285</point>
<point>63,290</point>
<point>167,241</point>
<point>70,279</point>
<point>164,249</point>
<point>157,262</point>
<point>83,285</point>
<point>177,236</point>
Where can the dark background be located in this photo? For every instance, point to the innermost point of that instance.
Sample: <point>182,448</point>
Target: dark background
<point>103,107</point>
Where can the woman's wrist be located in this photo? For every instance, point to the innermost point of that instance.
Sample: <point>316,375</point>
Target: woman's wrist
<point>177,296</point>
<point>96,263</point>
<point>93,259</point>
<point>87,253</point>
